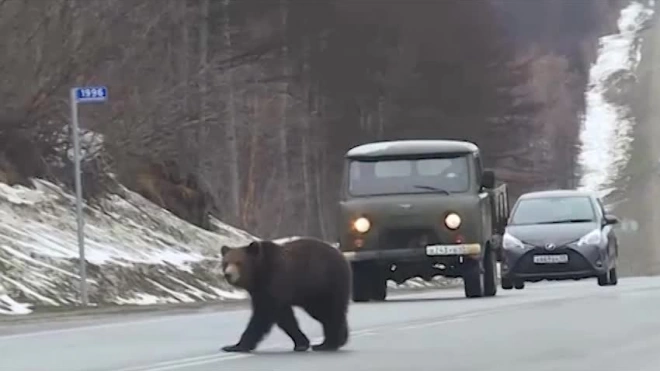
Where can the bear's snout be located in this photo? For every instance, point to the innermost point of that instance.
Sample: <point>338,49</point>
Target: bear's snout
<point>231,273</point>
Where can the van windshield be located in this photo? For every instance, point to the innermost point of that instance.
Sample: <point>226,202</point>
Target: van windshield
<point>428,175</point>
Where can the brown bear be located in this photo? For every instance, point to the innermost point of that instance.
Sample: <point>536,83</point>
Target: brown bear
<point>307,273</point>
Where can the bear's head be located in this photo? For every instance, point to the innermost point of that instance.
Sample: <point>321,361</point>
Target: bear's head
<point>243,266</point>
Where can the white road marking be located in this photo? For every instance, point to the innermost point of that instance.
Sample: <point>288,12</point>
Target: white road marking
<point>430,324</point>
<point>182,362</point>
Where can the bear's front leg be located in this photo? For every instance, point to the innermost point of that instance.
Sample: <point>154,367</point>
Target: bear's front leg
<point>261,322</point>
<point>237,348</point>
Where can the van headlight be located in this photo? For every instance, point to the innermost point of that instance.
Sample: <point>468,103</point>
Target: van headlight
<point>452,221</point>
<point>594,237</point>
<point>362,225</point>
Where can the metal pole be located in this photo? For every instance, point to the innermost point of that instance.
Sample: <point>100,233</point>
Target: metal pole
<point>79,203</point>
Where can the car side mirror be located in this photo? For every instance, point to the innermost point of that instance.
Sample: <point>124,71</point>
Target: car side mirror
<point>610,220</point>
<point>488,179</point>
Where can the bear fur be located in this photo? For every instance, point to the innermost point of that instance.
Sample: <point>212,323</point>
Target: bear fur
<point>307,273</point>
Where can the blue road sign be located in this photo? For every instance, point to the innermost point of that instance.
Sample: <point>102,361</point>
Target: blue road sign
<point>88,94</point>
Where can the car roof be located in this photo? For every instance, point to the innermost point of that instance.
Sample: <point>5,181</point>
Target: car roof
<point>411,147</point>
<point>558,193</point>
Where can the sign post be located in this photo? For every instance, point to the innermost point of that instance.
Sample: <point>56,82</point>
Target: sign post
<point>88,94</point>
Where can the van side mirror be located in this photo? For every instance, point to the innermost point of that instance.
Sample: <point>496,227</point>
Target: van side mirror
<point>609,219</point>
<point>488,179</point>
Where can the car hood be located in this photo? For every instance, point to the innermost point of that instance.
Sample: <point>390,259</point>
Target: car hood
<point>558,234</point>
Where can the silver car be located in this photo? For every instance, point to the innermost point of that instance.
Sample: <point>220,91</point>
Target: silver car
<point>559,235</point>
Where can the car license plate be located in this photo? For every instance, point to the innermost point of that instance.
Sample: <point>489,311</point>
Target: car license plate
<point>452,249</point>
<point>551,259</point>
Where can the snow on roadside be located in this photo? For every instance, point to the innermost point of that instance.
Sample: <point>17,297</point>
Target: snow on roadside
<point>10,306</point>
<point>606,135</point>
<point>137,252</point>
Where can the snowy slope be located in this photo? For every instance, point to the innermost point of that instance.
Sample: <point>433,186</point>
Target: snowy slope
<point>137,252</point>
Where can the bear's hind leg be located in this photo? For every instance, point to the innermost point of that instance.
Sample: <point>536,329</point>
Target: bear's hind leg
<point>289,324</point>
<point>335,326</point>
<point>335,332</point>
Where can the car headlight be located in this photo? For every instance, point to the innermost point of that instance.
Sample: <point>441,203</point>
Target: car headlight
<point>453,221</point>
<point>592,238</point>
<point>362,225</point>
<point>510,242</point>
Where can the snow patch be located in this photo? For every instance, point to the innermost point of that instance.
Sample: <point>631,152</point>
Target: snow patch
<point>137,253</point>
<point>286,239</point>
<point>146,299</point>
<point>606,134</point>
<point>10,306</point>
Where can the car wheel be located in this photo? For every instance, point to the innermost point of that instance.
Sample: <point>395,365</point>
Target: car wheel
<point>519,284</point>
<point>361,290</point>
<point>473,279</point>
<point>614,278</point>
<point>490,273</point>
<point>507,284</point>
<point>603,279</point>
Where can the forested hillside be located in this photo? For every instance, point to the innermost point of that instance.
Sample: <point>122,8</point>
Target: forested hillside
<point>243,109</point>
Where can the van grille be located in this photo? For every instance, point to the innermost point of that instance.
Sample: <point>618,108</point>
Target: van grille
<point>412,238</point>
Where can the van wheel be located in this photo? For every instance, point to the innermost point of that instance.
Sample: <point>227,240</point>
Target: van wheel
<point>361,290</point>
<point>490,273</point>
<point>379,288</point>
<point>473,279</point>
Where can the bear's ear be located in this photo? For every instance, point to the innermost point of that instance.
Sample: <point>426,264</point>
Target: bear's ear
<point>253,248</point>
<point>224,250</point>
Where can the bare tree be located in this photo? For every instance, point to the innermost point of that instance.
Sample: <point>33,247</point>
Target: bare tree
<point>244,109</point>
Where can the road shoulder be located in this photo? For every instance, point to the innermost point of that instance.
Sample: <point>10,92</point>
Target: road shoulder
<point>75,315</point>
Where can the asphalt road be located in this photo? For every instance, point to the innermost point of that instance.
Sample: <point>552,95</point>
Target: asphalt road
<point>571,326</point>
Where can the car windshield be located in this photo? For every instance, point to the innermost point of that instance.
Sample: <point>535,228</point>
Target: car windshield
<point>429,175</point>
<point>573,209</point>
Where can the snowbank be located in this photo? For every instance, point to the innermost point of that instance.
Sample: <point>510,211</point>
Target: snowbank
<point>10,306</point>
<point>606,135</point>
<point>138,253</point>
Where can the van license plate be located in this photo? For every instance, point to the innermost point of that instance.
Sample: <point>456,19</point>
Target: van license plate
<point>446,250</point>
<point>551,259</point>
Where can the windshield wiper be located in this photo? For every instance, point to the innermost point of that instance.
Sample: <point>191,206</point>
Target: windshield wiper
<point>431,188</point>
<point>569,221</point>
